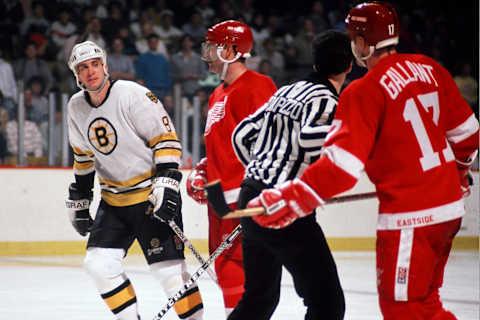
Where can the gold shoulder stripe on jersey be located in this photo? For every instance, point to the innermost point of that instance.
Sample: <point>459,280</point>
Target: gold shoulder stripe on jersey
<point>163,137</point>
<point>152,97</point>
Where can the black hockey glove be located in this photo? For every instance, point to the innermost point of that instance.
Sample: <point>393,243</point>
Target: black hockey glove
<point>78,204</point>
<point>165,195</point>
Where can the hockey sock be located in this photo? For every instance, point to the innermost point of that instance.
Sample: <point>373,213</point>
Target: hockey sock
<point>172,275</point>
<point>104,265</point>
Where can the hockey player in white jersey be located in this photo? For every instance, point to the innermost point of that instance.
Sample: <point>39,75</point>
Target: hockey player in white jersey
<point>120,130</point>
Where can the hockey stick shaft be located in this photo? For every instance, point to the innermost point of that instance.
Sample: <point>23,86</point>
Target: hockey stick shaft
<point>190,246</point>
<point>217,200</point>
<point>179,294</point>
<point>185,240</point>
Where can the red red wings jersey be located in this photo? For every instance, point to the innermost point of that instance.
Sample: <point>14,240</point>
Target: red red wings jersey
<point>404,123</point>
<point>227,107</point>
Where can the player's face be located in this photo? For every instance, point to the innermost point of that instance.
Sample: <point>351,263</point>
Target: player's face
<point>210,56</point>
<point>91,73</point>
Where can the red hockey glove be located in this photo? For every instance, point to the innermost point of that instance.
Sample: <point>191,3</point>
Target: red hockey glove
<point>292,200</point>
<point>196,182</point>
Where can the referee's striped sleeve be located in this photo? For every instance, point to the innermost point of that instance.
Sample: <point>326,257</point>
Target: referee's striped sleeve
<point>317,123</point>
<point>245,135</point>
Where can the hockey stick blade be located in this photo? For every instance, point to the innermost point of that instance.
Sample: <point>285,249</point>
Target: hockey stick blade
<point>217,200</point>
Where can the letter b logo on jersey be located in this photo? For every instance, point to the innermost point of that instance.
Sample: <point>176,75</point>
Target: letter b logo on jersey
<point>102,135</point>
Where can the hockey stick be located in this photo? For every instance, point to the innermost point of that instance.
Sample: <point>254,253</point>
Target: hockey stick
<point>187,243</point>
<point>179,294</point>
<point>217,200</point>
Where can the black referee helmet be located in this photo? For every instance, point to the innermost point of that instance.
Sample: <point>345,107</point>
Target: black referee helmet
<point>332,52</point>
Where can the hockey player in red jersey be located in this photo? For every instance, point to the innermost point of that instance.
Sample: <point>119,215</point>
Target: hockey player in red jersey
<point>242,91</point>
<point>406,125</point>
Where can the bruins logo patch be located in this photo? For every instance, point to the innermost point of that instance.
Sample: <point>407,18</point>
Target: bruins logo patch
<point>102,135</point>
<point>152,97</point>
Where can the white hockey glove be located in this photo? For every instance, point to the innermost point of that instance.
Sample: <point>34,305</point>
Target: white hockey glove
<point>165,195</point>
<point>78,204</point>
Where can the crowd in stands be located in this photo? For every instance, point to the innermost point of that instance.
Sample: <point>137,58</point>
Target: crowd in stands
<point>157,43</point>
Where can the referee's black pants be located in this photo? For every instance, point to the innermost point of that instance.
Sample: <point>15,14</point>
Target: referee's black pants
<point>302,249</point>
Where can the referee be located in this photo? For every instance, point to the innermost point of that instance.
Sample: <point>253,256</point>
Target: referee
<point>277,143</point>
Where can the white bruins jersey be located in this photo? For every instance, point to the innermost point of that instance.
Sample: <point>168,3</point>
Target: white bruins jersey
<point>122,140</point>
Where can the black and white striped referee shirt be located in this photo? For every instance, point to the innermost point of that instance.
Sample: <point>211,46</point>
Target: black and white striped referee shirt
<point>282,138</point>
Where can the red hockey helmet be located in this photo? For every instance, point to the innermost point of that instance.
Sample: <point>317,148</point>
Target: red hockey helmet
<point>234,33</point>
<point>377,22</point>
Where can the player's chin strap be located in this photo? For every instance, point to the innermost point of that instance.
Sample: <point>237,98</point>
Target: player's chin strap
<point>227,62</point>
<point>360,59</point>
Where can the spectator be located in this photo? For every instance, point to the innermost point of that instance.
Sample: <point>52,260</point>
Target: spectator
<point>57,135</point>
<point>115,20</point>
<point>317,16</point>
<point>62,28</point>
<point>128,39</point>
<point>260,32</point>
<point>275,58</point>
<point>32,65</point>
<point>195,28</point>
<point>303,51</point>
<point>167,32</point>
<point>187,67</point>
<point>8,87</point>
<point>156,10</point>
<point>35,26</point>
<point>93,32</point>
<point>3,135</point>
<point>153,69</point>
<point>100,11</point>
<point>120,66</point>
<point>32,139</point>
<point>206,11</point>
<point>142,43</point>
<point>36,104</point>
<point>136,26</point>
<point>265,67</point>
<point>135,10</point>
<point>468,86</point>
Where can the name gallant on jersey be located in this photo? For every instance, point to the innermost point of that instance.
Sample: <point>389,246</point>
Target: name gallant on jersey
<point>122,140</point>
<point>398,77</point>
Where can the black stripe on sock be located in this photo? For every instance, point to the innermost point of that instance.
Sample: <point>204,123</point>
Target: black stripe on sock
<point>191,312</point>
<point>116,290</point>
<point>125,305</point>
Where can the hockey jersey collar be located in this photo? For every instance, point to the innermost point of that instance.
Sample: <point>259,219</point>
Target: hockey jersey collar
<point>316,78</point>
<point>87,96</point>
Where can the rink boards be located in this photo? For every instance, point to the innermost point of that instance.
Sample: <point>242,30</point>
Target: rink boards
<point>34,220</point>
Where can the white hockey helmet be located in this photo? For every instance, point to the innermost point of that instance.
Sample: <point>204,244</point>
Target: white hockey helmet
<point>85,51</point>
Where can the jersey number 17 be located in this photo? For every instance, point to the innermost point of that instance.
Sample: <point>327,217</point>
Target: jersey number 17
<point>430,159</point>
